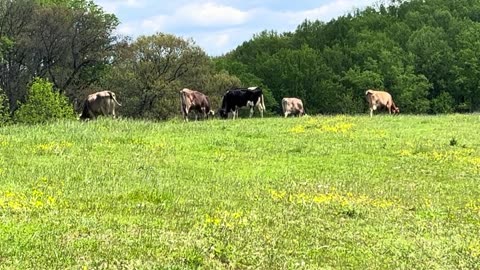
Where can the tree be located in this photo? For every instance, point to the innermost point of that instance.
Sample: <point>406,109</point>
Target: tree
<point>69,42</point>
<point>148,74</point>
<point>411,92</point>
<point>433,56</point>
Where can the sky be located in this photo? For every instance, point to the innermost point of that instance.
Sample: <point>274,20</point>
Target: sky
<point>219,26</point>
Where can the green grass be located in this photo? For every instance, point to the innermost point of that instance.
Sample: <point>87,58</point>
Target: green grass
<point>338,192</point>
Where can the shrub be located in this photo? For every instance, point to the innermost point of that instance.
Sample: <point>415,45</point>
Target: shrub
<point>43,104</point>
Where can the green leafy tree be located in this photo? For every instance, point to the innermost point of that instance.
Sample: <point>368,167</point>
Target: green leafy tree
<point>70,42</point>
<point>466,89</point>
<point>149,73</point>
<point>433,56</point>
<point>410,93</point>
<point>420,51</point>
<point>443,103</point>
<point>43,104</point>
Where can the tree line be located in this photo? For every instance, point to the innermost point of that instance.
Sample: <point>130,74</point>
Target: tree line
<point>425,53</point>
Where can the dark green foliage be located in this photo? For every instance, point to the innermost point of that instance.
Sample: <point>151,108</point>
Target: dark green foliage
<point>4,109</point>
<point>425,53</point>
<point>43,104</point>
<point>443,103</point>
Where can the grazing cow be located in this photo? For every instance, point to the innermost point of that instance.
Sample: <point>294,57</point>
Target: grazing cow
<point>196,101</point>
<point>379,99</point>
<point>240,97</point>
<point>100,103</point>
<point>292,106</point>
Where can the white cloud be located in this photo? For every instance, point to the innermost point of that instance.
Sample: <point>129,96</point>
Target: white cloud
<point>216,43</point>
<point>113,6</point>
<point>155,24</point>
<point>126,29</point>
<point>210,14</point>
<point>197,15</point>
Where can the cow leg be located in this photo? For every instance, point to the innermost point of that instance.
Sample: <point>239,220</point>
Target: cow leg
<point>186,114</point>
<point>111,109</point>
<point>235,112</point>
<point>371,112</point>
<point>260,108</point>
<point>92,115</point>
<point>286,114</point>
<point>183,114</point>
<point>251,111</point>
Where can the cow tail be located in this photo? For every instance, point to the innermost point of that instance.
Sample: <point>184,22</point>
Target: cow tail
<point>208,107</point>
<point>114,99</point>
<point>394,105</point>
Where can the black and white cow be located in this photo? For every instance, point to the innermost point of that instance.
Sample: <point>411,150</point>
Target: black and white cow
<point>241,97</point>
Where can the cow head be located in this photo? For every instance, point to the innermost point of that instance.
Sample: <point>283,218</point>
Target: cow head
<point>396,110</point>
<point>223,113</point>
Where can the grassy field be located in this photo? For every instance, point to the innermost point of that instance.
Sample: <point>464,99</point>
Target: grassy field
<point>337,192</point>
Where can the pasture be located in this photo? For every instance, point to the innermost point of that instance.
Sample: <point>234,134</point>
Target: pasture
<point>328,192</point>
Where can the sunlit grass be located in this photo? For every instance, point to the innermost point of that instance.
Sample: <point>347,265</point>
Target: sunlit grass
<point>329,192</point>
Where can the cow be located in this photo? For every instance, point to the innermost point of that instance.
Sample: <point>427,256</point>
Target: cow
<point>292,106</point>
<point>196,101</point>
<point>236,98</point>
<point>379,99</point>
<point>99,103</point>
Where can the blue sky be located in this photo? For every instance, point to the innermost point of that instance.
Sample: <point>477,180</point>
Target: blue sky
<point>219,26</point>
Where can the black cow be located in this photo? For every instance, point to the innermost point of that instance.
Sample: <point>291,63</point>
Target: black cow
<point>241,97</point>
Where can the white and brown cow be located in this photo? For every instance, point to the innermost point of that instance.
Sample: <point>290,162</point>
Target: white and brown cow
<point>380,99</point>
<point>99,103</point>
<point>196,101</point>
<point>292,106</point>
